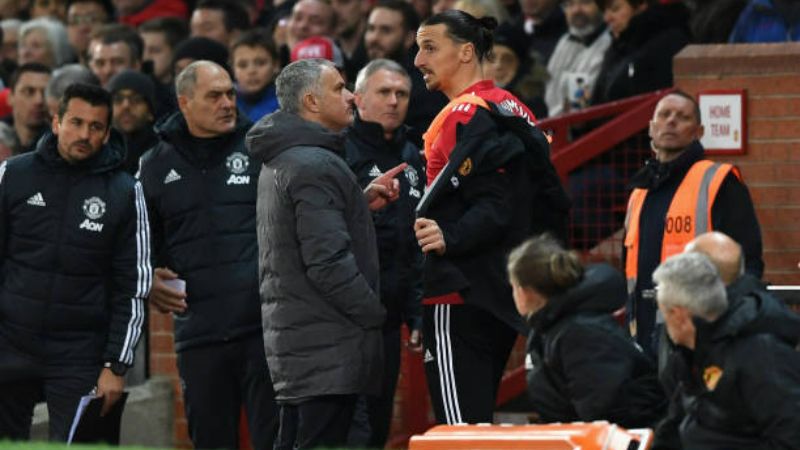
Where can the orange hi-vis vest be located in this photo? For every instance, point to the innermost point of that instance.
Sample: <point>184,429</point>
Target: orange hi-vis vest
<point>688,216</point>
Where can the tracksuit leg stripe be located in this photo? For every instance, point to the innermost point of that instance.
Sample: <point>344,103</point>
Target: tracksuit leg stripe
<point>444,361</point>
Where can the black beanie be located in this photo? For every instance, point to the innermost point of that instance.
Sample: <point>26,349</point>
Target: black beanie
<point>137,82</point>
<point>198,48</point>
<point>513,38</point>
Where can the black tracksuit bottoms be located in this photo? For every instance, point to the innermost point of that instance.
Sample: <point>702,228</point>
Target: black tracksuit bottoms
<point>466,350</point>
<point>316,422</point>
<point>217,380</point>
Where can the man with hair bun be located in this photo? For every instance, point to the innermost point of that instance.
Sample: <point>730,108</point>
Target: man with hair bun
<point>485,160</point>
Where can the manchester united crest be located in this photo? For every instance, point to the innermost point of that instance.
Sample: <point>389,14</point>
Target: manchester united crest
<point>411,175</point>
<point>237,163</point>
<point>711,376</point>
<point>465,168</point>
<point>94,208</point>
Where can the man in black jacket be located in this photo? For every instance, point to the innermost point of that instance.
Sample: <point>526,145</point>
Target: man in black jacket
<point>376,143</point>
<point>75,268</point>
<point>739,372</point>
<point>201,189</point>
<point>318,258</point>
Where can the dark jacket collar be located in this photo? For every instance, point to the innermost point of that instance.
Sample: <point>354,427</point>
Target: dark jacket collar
<point>110,156</point>
<point>280,131</point>
<point>655,173</point>
<point>372,134</point>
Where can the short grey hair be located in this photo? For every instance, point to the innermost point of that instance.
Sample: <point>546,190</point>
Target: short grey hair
<point>376,65</point>
<point>186,81</point>
<point>691,280</point>
<point>8,137</point>
<point>67,75</point>
<point>56,34</point>
<point>296,80</point>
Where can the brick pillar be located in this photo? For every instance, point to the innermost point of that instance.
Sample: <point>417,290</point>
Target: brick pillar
<point>163,362</point>
<point>771,167</point>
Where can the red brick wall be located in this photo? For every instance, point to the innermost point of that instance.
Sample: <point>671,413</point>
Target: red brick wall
<point>771,167</point>
<point>162,362</point>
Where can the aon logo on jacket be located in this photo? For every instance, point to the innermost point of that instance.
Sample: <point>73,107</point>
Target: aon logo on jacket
<point>91,226</point>
<point>238,179</point>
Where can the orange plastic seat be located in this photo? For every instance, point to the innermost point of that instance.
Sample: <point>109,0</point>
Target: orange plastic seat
<point>579,435</point>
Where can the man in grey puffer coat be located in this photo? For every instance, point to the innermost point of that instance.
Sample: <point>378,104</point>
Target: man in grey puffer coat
<point>318,260</point>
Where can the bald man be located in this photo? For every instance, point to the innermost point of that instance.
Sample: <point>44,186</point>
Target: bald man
<point>723,251</point>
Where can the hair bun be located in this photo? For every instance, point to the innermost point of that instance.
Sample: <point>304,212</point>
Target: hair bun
<point>488,22</point>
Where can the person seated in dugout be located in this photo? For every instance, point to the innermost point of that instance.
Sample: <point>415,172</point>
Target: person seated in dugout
<point>585,366</point>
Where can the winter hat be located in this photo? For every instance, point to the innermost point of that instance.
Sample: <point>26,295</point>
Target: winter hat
<point>198,48</point>
<point>513,38</point>
<point>137,82</point>
<point>318,47</point>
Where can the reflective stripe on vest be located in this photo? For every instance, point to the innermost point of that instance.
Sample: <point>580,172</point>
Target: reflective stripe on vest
<point>688,216</point>
<point>438,122</point>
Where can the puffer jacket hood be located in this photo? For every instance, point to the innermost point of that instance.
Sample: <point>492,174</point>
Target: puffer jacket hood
<point>174,130</point>
<point>280,131</point>
<point>110,157</point>
<point>601,290</point>
<point>757,313</point>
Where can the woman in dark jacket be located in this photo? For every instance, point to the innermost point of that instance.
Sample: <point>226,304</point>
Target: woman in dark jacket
<point>646,35</point>
<point>585,366</point>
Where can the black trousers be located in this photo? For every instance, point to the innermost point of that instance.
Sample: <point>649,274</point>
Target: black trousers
<point>217,380</point>
<point>317,422</point>
<point>466,350</point>
<point>373,414</point>
<point>60,387</point>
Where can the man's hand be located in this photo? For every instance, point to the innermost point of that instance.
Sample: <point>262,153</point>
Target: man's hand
<point>384,189</point>
<point>164,297</point>
<point>414,343</point>
<point>109,386</point>
<point>429,236</point>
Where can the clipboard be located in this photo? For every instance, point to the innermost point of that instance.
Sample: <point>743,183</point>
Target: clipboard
<point>88,426</point>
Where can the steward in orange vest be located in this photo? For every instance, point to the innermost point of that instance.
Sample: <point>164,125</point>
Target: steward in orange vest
<point>677,196</point>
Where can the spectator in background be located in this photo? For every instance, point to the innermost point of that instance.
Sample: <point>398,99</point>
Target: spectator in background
<point>220,20</point>
<point>712,22</point>
<point>197,48</point>
<point>391,33</point>
<point>44,40</point>
<point>200,185</point>
<point>739,377</point>
<point>83,17</point>
<point>309,18</point>
<point>255,66</point>
<point>512,69</point>
<point>768,21</point>
<point>577,58</point>
<point>133,98</point>
<point>9,144</point>
<point>646,36</point>
<point>543,23</point>
<point>161,38</point>
<point>351,23</point>
<point>136,12</point>
<point>62,78</point>
<point>376,143</point>
<point>585,367</point>
<point>28,108</point>
<point>112,49</point>
<point>320,47</point>
<point>56,9</point>
<point>483,8</point>
<point>423,8</point>
<point>10,49</point>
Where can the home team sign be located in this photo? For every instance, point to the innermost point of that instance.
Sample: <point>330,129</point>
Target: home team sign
<point>723,114</point>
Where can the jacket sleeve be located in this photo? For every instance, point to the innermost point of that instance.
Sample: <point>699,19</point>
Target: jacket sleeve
<point>733,214</point>
<point>132,276</point>
<point>3,211</point>
<point>326,245</point>
<point>144,175</point>
<point>772,396</point>
<point>595,369</point>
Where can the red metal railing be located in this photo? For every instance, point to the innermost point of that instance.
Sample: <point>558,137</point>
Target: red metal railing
<point>595,151</point>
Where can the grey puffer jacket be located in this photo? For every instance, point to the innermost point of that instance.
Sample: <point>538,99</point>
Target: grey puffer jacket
<point>318,263</point>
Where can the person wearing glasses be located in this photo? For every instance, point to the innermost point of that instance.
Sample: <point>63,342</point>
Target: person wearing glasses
<point>133,96</point>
